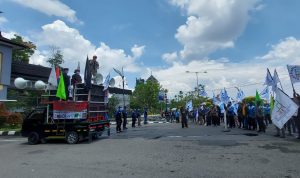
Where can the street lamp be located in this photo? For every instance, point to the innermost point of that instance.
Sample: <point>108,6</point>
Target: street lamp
<point>121,75</point>
<point>197,72</point>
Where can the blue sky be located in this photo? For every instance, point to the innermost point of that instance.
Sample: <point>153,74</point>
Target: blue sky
<point>234,41</point>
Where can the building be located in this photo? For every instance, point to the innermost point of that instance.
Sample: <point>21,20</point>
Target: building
<point>6,48</point>
<point>152,78</point>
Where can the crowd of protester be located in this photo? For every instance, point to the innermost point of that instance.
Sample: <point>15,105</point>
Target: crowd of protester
<point>247,116</point>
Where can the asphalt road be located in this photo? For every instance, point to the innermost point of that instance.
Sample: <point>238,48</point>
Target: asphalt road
<point>156,150</point>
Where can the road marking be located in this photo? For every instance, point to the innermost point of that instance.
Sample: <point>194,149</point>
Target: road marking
<point>11,140</point>
<point>174,136</point>
<point>11,133</point>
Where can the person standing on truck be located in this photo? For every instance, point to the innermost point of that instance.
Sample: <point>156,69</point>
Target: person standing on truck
<point>76,78</point>
<point>118,117</point>
<point>124,114</point>
<point>94,66</point>
<point>67,82</point>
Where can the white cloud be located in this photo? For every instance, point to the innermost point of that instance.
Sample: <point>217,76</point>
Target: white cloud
<point>8,35</point>
<point>75,48</point>
<point>51,8</point>
<point>137,51</point>
<point>3,20</point>
<point>38,58</point>
<point>170,57</point>
<point>222,73</point>
<point>287,50</point>
<point>211,25</point>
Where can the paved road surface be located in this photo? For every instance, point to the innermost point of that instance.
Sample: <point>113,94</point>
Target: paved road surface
<point>156,150</point>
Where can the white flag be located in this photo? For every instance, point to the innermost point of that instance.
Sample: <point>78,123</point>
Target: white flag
<point>240,95</point>
<point>269,80</point>
<point>189,105</point>
<point>52,81</point>
<point>275,78</point>
<point>224,96</point>
<point>215,100</point>
<point>106,82</point>
<point>294,72</point>
<point>265,94</point>
<point>284,108</point>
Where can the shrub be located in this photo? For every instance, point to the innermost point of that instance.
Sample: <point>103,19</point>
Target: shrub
<point>2,121</point>
<point>14,119</point>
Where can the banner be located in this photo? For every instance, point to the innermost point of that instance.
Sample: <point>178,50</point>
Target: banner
<point>294,72</point>
<point>284,108</point>
<point>70,110</point>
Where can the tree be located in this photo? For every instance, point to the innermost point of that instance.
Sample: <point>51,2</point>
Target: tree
<point>112,104</point>
<point>56,57</point>
<point>146,95</point>
<point>24,54</point>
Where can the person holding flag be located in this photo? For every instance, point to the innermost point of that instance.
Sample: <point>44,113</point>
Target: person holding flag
<point>297,118</point>
<point>259,113</point>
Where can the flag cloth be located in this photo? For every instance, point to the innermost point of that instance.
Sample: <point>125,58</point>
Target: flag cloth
<point>189,105</point>
<point>275,78</point>
<point>215,100</point>
<point>269,80</point>
<point>258,101</point>
<point>52,81</point>
<point>284,109</point>
<point>87,74</point>
<point>61,91</point>
<point>57,71</point>
<point>265,94</point>
<point>294,72</point>
<point>224,96</point>
<point>106,82</point>
<point>240,95</point>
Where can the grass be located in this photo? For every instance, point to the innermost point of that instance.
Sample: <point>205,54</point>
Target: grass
<point>10,128</point>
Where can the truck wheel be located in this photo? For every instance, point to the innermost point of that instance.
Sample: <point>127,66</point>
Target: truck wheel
<point>72,137</point>
<point>98,134</point>
<point>33,138</point>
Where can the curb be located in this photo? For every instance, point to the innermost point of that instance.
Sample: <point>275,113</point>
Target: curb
<point>10,133</point>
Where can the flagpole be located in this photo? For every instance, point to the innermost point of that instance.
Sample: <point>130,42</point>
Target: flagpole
<point>291,80</point>
<point>225,120</point>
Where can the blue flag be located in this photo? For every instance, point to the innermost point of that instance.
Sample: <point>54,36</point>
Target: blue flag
<point>224,96</point>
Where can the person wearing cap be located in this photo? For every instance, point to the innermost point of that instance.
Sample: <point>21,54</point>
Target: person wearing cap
<point>76,78</point>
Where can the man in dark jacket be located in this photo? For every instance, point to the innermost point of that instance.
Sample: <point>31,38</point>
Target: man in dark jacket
<point>67,82</point>
<point>133,116</point>
<point>76,78</point>
<point>118,117</point>
<point>124,114</point>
